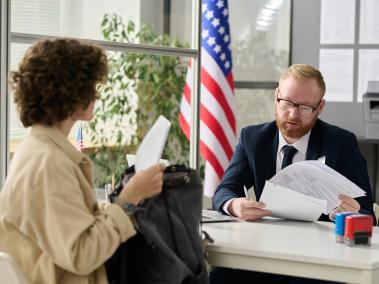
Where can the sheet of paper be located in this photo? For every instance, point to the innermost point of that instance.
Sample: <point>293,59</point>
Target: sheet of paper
<point>151,147</point>
<point>289,204</point>
<point>369,22</point>
<point>315,179</point>
<point>131,159</point>
<point>337,67</point>
<point>337,24</point>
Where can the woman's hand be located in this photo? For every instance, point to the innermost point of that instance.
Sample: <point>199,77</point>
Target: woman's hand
<point>144,184</point>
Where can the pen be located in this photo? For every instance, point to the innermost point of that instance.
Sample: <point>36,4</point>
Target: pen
<point>246,193</point>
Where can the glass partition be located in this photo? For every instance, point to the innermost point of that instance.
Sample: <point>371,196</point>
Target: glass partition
<point>84,18</point>
<point>139,88</point>
<point>254,106</point>
<point>260,32</point>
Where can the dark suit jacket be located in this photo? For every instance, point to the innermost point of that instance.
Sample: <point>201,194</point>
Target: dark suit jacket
<point>254,161</point>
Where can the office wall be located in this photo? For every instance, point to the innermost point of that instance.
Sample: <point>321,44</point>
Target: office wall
<point>305,49</point>
<point>349,115</point>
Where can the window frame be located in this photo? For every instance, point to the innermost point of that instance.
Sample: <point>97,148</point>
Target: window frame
<point>4,98</point>
<point>268,85</point>
<point>194,53</point>
<point>6,37</point>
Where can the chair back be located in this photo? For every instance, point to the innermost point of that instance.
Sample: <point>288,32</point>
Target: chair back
<point>10,272</point>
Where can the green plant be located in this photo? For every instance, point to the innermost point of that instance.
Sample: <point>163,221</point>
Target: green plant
<point>140,87</point>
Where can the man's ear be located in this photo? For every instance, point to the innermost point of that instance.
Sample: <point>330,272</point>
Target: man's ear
<point>321,106</point>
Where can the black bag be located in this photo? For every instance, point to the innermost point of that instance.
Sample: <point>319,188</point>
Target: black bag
<point>168,247</point>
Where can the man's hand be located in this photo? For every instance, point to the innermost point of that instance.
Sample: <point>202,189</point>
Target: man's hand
<point>348,204</point>
<point>247,210</point>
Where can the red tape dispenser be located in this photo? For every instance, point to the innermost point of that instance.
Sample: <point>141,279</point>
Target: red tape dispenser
<point>358,230</point>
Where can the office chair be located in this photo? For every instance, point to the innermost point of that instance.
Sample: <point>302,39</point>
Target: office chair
<point>10,272</point>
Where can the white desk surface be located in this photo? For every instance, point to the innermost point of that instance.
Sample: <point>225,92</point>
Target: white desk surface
<point>306,249</point>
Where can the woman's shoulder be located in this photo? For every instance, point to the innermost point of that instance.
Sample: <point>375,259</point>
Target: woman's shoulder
<point>39,151</point>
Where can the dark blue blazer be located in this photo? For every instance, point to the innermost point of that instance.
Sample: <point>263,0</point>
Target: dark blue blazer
<point>254,161</point>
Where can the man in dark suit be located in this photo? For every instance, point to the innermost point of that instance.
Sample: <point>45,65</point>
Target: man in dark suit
<point>296,135</point>
<point>259,154</point>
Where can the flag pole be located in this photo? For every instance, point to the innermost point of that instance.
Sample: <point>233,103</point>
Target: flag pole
<point>195,94</point>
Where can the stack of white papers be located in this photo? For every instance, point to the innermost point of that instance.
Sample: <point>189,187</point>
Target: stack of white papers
<point>304,190</point>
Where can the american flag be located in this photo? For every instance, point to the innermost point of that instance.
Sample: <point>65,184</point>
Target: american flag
<point>79,139</point>
<point>217,121</point>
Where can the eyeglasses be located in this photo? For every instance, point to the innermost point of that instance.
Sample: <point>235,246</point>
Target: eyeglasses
<point>303,109</point>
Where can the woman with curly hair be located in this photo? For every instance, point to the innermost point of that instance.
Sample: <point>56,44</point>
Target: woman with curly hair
<point>50,221</point>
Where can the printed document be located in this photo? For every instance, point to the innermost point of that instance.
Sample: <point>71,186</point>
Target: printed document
<point>151,148</point>
<point>289,204</point>
<point>308,179</point>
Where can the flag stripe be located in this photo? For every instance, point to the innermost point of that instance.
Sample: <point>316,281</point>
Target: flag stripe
<point>185,126</point>
<point>187,93</point>
<point>216,129</point>
<point>208,100</point>
<point>208,63</point>
<point>206,135</point>
<point>211,140</point>
<point>230,80</point>
<point>213,107</point>
<point>211,84</point>
<point>213,124</point>
<point>212,179</point>
<point>227,104</point>
<point>212,159</point>
<point>208,154</point>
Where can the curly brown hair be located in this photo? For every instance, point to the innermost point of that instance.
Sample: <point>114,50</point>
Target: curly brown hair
<point>55,78</point>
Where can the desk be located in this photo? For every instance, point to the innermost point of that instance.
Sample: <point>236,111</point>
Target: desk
<point>302,249</point>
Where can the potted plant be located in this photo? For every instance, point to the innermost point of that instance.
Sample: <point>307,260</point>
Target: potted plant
<point>139,88</point>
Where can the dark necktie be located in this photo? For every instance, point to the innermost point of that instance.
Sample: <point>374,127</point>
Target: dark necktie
<point>289,152</point>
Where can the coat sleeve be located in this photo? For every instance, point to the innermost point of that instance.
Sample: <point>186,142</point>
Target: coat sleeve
<point>235,177</point>
<point>354,167</point>
<point>75,237</point>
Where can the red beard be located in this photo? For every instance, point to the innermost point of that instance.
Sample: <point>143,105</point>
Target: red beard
<point>294,128</point>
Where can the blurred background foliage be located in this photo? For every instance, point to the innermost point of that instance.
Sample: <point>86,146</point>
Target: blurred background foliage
<point>139,88</point>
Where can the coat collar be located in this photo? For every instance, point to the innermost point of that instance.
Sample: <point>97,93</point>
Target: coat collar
<point>58,138</point>
<point>271,166</point>
<point>314,145</point>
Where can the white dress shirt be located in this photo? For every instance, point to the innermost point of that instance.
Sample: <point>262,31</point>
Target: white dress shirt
<point>301,146</point>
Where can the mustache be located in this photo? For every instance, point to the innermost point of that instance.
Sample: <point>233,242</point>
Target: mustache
<point>293,121</point>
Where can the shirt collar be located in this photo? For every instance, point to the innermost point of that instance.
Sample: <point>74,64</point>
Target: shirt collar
<point>58,138</point>
<point>301,145</point>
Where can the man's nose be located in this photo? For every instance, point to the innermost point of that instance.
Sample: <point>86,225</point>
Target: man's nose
<point>294,111</point>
